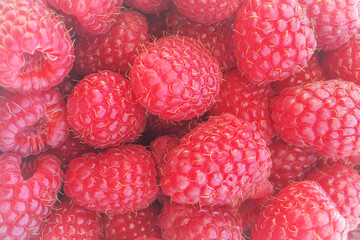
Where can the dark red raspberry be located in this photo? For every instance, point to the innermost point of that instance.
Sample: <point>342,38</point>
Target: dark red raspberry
<point>119,180</point>
<point>36,51</point>
<point>301,210</point>
<point>176,78</point>
<point>334,21</point>
<point>207,11</point>
<point>94,16</point>
<point>26,199</point>
<point>103,112</point>
<point>342,184</point>
<point>30,124</point>
<point>72,222</point>
<point>273,39</point>
<point>344,62</point>
<point>156,25</point>
<point>149,6</point>
<point>216,37</point>
<point>68,83</point>
<point>323,115</point>
<point>114,50</point>
<point>247,101</point>
<point>249,211</point>
<point>312,72</point>
<point>189,222</point>
<point>290,163</point>
<point>219,162</point>
<point>129,226</point>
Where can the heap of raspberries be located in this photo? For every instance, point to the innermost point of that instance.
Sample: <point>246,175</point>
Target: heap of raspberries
<point>179,119</point>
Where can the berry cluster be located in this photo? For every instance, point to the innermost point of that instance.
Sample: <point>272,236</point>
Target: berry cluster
<point>179,119</point>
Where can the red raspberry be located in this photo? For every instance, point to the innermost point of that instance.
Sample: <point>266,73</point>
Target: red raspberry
<point>26,200</point>
<point>72,222</point>
<point>129,226</point>
<point>114,50</point>
<point>334,21</point>
<point>189,222</point>
<point>249,211</point>
<point>290,163</point>
<point>342,183</point>
<point>247,101</point>
<point>118,180</point>
<point>36,51</point>
<point>344,62</point>
<point>301,210</point>
<point>219,162</point>
<point>322,115</point>
<point>156,25</point>
<point>94,16</point>
<point>216,37</point>
<point>176,78</point>
<point>103,112</point>
<point>30,124</point>
<point>273,39</point>
<point>312,72</point>
<point>149,6</point>
<point>68,83</point>
<point>207,11</point>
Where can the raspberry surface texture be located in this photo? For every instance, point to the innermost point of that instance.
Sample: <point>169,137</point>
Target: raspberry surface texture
<point>219,162</point>
<point>119,180</point>
<point>176,78</point>
<point>149,6</point>
<point>273,39</point>
<point>36,51</point>
<point>102,110</point>
<point>322,115</point>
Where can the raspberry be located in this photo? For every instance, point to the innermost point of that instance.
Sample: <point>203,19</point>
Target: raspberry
<point>344,62</point>
<point>187,221</point>
<point>273,39</point>
<point>26,200</point>
<point>149,6</point>
<point>207,11</point>
<point>103,112</point>
<point>36,51</point>
<point>67,84</point>
<point>129,226</point>
<point>247,101</point>
<point>290,163</point>
<point>216,37</point>
<point>219,162</point>
<point>322,115</point>
<point>114,50</point>
<point>334,21</point>
<point>176,78</point>
<point>119,180</point>
<point>342,184</point>
<point>89,16</point>
<point>71,221</point>
<point>300,211</point>
<point>30,124</point>
<point>249,211</point>
<point>156,25</point>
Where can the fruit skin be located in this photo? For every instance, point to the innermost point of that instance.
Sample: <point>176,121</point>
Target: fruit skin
<point>207,12</point>
<point>188,222</point>
<point>302,210</point>
<point>216,37</point>
<point>89,16</point>
<point>344,62</point>
<point>114,50</point>
<point>219,162</point>
<point>36,51</point>
<point>26,198</point>
<point>334,21</point>
<point>102,110</point>
<point>118,180</point>
<point>176,78</point>
<point>322,115</point>
<point>129,226</point>
<point>342,184</point>
<point>72,222</point>
<point>273,39</point>
<point>247,101</point>
<point>149,6</point>
<point>31,124</point>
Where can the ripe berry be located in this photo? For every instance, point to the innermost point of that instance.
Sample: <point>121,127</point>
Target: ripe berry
<point>149,6</point>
